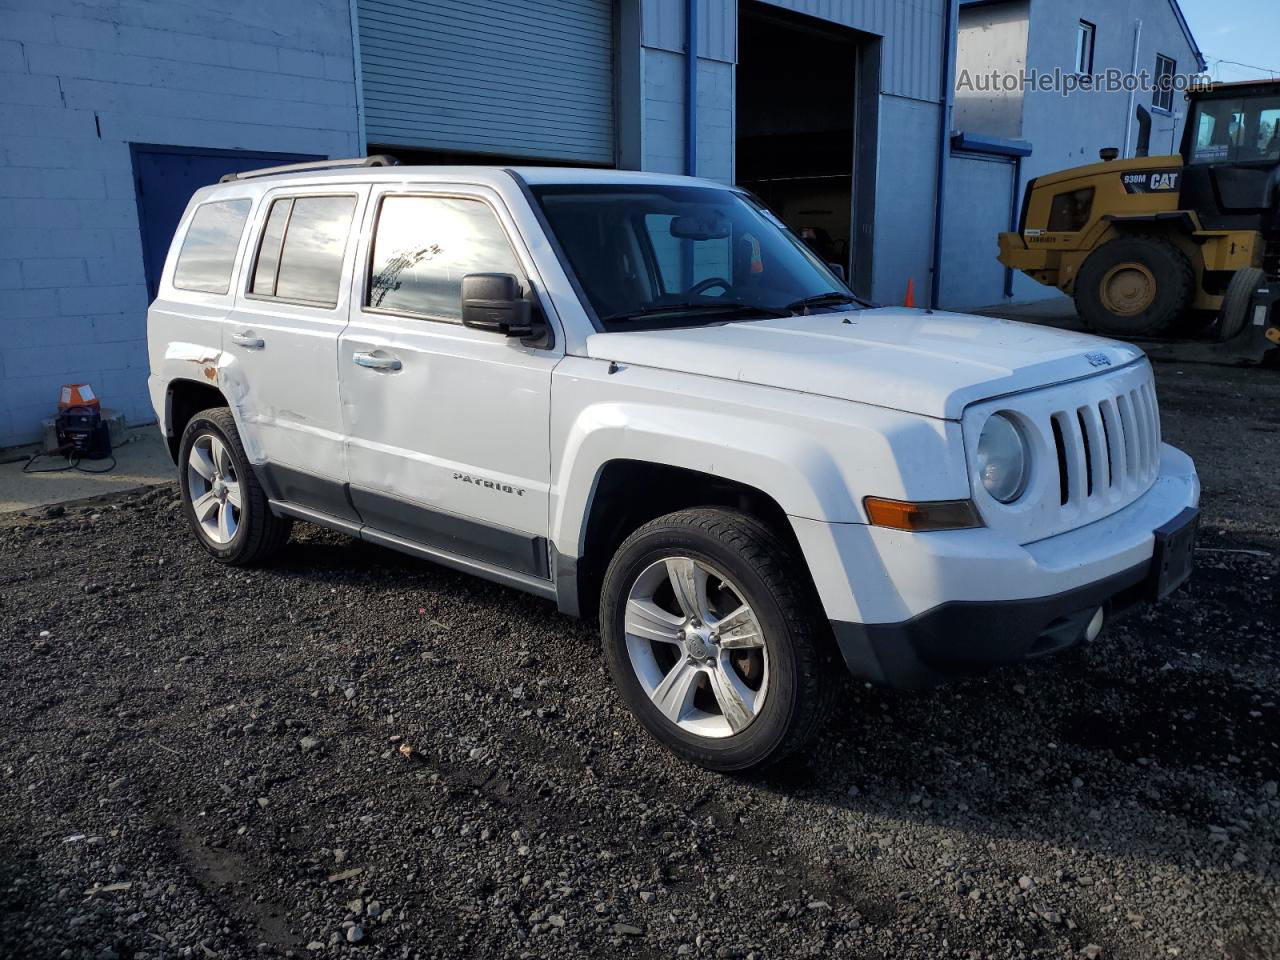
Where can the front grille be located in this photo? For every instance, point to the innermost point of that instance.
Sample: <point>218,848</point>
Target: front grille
<point>1107,446</point>
<point>1095,449</point>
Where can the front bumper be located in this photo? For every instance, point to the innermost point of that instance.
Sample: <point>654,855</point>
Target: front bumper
<point>909,610</point>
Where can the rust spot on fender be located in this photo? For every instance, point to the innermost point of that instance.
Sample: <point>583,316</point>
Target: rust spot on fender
<point>211,373</point>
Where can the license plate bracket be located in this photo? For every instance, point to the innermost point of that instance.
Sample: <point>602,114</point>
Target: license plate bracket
<point>1174,555</point>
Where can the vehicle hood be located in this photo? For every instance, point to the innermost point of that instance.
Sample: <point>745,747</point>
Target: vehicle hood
<point>934,364</point>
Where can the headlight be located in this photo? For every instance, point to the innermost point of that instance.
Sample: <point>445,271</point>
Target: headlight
<point>1002,458</point>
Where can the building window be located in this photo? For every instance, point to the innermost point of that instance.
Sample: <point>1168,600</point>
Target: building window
<point>1085,36</point>
<point>1165,69</point>
<point>209,248</point>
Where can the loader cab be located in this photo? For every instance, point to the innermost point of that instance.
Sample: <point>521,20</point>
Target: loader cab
<point>1231,152</point>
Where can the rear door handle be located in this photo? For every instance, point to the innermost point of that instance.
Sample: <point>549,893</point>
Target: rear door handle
<point>375,362</point>
<point>248,340</point>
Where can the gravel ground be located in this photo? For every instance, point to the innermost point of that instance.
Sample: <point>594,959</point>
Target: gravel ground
<point>357,753</point>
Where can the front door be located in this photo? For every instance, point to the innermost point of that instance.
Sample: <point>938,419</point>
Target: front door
<point>448,436</point>
<point>281,342</point>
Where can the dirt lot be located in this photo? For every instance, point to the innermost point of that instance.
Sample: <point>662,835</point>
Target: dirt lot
<point>196,761</point>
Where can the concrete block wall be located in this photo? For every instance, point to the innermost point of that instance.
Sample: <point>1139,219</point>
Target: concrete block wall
<point>81,81</point>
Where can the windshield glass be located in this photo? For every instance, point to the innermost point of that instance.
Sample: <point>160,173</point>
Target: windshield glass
<point>1237,130</point>
<point>654,256</point>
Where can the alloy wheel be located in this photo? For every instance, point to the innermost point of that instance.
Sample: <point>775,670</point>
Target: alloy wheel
<point>214,488</point>
<point>696,647</point>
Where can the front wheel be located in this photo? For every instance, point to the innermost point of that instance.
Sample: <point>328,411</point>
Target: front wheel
<point>221,497</point>
<point>713,641</point>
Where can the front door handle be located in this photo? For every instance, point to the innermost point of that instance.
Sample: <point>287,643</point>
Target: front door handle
<point>375,362</point>
<point>248,340</point>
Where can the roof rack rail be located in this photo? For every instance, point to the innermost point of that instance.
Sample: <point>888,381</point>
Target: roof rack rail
<point>378,160</point>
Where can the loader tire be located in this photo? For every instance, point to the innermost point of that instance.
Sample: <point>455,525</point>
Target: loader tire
<point>1235,305</point>
<point>1135,287</point>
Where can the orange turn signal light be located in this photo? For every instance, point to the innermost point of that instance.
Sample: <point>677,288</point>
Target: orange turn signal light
<point>921,517</point>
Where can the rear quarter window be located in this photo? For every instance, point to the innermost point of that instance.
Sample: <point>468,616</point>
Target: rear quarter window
<point>208,253</point>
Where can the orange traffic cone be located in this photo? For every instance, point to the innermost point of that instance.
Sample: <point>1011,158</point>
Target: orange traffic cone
<point>77,395</point>
<point>911,293</point>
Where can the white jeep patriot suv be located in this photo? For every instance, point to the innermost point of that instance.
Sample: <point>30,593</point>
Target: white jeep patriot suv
<point>641,396</point>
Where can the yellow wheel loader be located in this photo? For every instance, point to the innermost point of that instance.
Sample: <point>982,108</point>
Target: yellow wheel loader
<point>1183,245</point>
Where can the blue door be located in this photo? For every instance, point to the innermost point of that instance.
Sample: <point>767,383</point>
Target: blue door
<point>166,177</point>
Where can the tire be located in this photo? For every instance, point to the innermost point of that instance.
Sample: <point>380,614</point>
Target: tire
<point>209,454</point>
<point>1135,287</point>
<point>781,664</point>
<point>1234,314</point>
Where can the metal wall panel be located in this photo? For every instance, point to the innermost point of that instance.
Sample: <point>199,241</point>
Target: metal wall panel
<point>912,32</point>
<point>529,79</point>
<point>663,21</point>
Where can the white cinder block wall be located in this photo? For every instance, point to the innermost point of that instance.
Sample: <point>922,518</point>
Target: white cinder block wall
<point>81,81</point>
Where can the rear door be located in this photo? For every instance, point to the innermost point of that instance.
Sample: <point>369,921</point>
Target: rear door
<point>447,426</point>
<point>281,341</point>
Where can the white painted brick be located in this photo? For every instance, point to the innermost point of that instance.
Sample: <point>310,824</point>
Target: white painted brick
<point>10,275</point>
<point>22,119</point>
<point>146,42</point>
<point>77,301</point>
<point>38,182</point>
<point>337,67</point>
<point>108,271</point>
<point>28,26</point>
<point>253,56</point>
<point>12,58</point>
<point>56,272</point>
<point>302,63</point>
<point>47,152</point>
<point>26,304</point>
<point>28,90</point>
<point>43,240</point>
<point>121,326</point>
<point>48,333</point>
<point>79,32</point>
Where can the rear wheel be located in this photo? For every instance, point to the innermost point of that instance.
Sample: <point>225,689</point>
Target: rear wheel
<point>713,641</point>
<point>1235,305</point>
<point>221,497</point>
<point>1134,287</point>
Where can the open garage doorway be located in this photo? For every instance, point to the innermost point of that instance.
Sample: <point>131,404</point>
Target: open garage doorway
<point>796,107</point>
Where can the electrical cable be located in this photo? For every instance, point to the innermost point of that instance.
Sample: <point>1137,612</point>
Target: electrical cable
<point>73,459</point>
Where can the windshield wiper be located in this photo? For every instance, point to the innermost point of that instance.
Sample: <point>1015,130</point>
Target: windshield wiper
<point>829,299</point>
<point>697,309</point>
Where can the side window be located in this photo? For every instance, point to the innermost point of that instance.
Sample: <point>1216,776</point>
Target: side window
<point>300,253</point>
<point>209,249</point>
<point>1268,140</point>
<point>424,246</point>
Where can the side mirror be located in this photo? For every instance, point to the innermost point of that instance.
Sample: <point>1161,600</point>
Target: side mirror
<point>838,270</point>
<point>492,301</point>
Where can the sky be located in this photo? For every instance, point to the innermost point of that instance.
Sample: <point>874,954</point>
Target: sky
<point>1245,31</point>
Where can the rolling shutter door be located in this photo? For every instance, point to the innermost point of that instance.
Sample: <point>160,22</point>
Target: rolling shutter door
<point>490,76</point>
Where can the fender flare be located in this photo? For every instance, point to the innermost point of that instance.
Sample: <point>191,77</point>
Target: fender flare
<point>794,470</point>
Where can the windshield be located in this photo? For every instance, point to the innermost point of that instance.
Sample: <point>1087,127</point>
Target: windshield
<point>1237,130</point>
<point>654,256</point>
